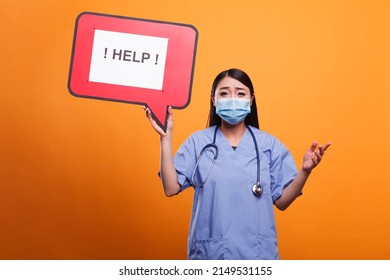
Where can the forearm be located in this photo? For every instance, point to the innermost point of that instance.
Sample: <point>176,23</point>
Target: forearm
<point>167,169</point>
<point>293,190</point>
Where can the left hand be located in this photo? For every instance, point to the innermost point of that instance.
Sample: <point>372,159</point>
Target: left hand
<point>314,156</point>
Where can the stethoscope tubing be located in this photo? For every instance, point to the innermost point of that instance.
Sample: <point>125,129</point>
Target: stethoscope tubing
<point>210,145</point>
<point>256,188</point>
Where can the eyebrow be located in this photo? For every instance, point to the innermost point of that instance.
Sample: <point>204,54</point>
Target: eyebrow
<point>235,88</point>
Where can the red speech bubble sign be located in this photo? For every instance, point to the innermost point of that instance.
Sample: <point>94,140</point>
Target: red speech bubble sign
<point>133,60</point>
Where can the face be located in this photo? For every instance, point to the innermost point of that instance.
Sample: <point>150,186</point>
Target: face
<point>231,88</point>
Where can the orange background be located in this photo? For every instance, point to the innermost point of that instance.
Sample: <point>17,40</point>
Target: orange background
<point>79,178</point>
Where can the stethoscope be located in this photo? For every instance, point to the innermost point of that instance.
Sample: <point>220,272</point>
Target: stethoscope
<point>257,189</point>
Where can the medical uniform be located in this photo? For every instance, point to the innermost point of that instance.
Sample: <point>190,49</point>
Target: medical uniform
<point>228,221</point>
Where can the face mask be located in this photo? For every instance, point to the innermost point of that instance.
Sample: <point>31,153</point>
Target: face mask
<point>233,110</point>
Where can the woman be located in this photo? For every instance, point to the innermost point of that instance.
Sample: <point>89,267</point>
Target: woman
<point>232,216</point>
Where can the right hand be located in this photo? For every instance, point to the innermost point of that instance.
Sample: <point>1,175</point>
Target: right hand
<point>156,127</point>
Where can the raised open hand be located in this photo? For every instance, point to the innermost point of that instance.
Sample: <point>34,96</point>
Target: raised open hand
<point>314,155</point>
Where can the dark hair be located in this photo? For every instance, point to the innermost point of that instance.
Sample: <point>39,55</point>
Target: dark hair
<point>241,76</point>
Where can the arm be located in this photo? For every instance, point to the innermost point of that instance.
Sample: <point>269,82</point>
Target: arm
<point>310,160</point>
<point>167,169</point>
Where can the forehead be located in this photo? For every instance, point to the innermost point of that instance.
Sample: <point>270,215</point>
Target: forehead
<point>229,82</point>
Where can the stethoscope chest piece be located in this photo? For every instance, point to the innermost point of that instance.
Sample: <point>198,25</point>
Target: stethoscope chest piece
<point>257,189</point>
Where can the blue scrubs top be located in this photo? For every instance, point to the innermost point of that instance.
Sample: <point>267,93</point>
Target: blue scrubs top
<point>228,221</point>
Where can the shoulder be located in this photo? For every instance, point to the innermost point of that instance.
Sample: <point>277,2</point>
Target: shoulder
<point>200,137</point>
<point>261,135</point>
<point>206,133</point>
<point>268,141</point>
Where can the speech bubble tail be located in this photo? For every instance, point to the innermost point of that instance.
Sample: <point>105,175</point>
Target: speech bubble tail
<point>160,115</point>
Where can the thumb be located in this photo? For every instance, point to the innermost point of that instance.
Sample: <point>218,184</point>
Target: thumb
<point>170,112</point>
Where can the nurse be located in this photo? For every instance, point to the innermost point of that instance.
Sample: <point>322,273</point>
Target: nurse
<point>228,220</point>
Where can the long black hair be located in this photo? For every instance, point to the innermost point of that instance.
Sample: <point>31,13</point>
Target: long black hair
<point>241,76</point>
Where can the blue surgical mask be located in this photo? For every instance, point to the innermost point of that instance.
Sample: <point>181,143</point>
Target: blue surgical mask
<point>233,110</point>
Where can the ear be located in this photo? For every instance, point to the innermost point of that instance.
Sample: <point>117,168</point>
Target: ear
<point>252,98</point>
<point>212,99</point>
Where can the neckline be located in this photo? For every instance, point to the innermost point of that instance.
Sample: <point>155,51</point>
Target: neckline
<point>239,138</point>
<point>225,142</point>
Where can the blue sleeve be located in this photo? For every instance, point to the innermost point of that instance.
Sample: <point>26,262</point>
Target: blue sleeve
<point>283,169</point>
<point>184,161</point>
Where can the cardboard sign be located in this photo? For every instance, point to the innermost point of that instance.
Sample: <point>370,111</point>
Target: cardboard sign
<point>133,60</point>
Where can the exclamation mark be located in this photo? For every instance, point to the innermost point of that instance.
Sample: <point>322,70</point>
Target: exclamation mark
<point>156,59</point>
<point>105,53</point>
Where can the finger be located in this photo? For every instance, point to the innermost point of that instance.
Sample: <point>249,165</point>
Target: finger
<point>147,110</point>
<point>313,147</point>
<point>170,113</point>
<point>318,156</point>
<point>321,150</point>
<point>326,146</point>
<point>154,124</point>
<point>316,159</point>
<point>149,115</point>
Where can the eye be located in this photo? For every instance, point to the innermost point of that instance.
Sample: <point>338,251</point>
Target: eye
<point>223,93</point>
<point>241,94</point>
